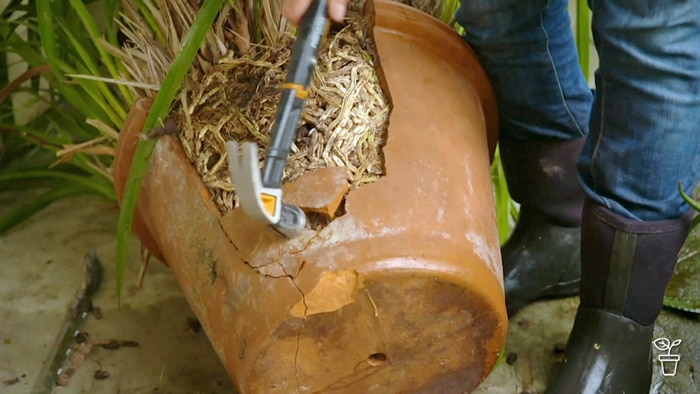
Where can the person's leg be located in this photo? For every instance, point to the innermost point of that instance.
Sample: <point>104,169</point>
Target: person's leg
<point>528,51</point>
<point>644,140</point>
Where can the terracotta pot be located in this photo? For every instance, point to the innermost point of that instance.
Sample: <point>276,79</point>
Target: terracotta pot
<point>403,292</point>
<point>126,148</point>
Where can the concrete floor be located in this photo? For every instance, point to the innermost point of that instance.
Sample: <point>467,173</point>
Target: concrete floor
<point>41,264</point>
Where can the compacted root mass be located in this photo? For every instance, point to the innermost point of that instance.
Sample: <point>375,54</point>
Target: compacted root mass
<point>232,89</point>
<point>344,121</point>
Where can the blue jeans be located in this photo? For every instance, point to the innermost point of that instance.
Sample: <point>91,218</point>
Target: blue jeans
<point>643,122</point>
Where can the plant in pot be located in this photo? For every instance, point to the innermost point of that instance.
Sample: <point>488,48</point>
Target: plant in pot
<point>323,311</point>
<point>350,287</point>
<point>399,197</point>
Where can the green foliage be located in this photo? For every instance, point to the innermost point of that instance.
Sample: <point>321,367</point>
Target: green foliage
<point>506,208</point>
<point>28,153</point>
<point>159,110</point>
<point>683,292</point>
<point>62,139</point>
<point>693,204</point>
<point>583,31</point>
<point>449,8</point>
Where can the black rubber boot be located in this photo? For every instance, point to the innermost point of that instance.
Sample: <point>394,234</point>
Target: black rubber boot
<point>541,257</point>
<point>626,266</point>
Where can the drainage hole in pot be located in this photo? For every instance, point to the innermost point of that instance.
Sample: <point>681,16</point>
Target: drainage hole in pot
<point>376,359</point>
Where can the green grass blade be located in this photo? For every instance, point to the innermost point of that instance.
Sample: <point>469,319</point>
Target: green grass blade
<point>693,204</point>
<point>78,180</point>
<point>151,21</point>
<point>98,90</point>
<point>33,134</point>
<point>257,14</point>
<point>503,201</point>
<point>83,99</point>
<point>83,94</point>
<point>28,52</point>
<point>71,127</point>
<point>583,18</point>
<point>25,211</point>
<point>449,7</point>
<point>111,14</point>
<point>94,34</point>
<point>501,357</point>
<point>514,211</point>
<point>45,19</point>
<point>46,31</point>
<point>161,105</point>
<point>56,36</point>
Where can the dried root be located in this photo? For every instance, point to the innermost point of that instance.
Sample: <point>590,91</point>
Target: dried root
<point>343,123</point>
<point>232,91</point>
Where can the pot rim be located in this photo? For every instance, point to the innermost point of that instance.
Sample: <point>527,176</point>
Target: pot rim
<point>392,8</point>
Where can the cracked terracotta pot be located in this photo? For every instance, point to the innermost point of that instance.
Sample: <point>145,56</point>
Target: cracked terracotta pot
<point>403,292</point>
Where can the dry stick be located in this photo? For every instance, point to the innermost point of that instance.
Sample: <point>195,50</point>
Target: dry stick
<point>62,349</point>
<point>145,258</point>
<point>25,76</point>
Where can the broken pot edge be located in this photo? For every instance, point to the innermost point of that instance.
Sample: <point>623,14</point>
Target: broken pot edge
<point>217,327</point>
